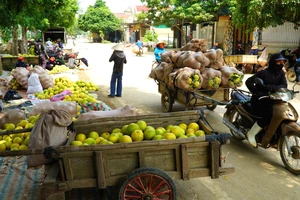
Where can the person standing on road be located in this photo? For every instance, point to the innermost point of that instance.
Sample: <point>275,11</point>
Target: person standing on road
<point>261,84</point>
<point>159,49</point>
<point>119,59</point>
<point>40,51</point>
<point>139,44</point>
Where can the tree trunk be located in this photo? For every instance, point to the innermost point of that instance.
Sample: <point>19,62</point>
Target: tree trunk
<point>15,40</point>
<point>24,40</point>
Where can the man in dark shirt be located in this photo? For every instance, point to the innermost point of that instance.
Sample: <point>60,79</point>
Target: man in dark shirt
<point>239,50</point>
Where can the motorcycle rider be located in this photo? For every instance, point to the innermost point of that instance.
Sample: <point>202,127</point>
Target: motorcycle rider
<point>260,84</point>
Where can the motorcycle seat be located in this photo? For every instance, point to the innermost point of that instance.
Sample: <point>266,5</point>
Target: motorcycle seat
<point>235,95</point>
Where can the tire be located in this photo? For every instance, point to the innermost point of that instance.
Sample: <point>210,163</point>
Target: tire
<point>290,75</point>
<point>211,107</point>
<point>291,162</point>
<point>234,115</point>
<point>167,101</point>
<point>148,184</point>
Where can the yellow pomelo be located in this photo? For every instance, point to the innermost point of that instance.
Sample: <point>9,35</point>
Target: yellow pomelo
<point>160,131</point>
<point>158,137</point>
<point>149,134</point>
<point>17,140</point>
<point>109,142</point>
<point>116,130</point>
<point>2,147</point>
<point>177,131</point>
<point>23,123</point>
<point>169,136</point>
<point>80,137</point>
<point>132,127</point>
<point>190,135</point>
<point>10,127</point>
<point>90,141</point>
<point>14,149</point>
<point>3,141</point>
<point>194,126</point>
<point>123,130</point>
<point>14,145</point>
<point>169,127</point>
<point>125,139</point>
<point>103,141</point>
<point>76,143</point>
<point>137,135</point>
<point>149,127</point>
<point>105,135</point>
<point>93,135</point>
<point>18,128</point>
<point>142,124</point>
<point>199,133</point>
<point>98,139</point>
<point>189,130</point>
<point>182,136</point>
<point>23,147</point>
<point>114,137</point>
<point>8,144</point>
<point>29,125</point>
<point>31,118</point>
<point>26,141</point>
<point>183,126</point>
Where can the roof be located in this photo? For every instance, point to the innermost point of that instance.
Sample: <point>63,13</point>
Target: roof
<point>142,8</point>
<point>122,15</point>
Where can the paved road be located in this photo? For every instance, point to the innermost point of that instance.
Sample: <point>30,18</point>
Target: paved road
<point>260,173</point>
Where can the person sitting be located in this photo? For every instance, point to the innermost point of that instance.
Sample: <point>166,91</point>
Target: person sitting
<point>254,50</point>
<point>59,59</point>
<point>71,62</point>
<point>261,84</point>
<point>239,50</point>
<point>21,63</point>
<point>48,43</point>
<point>159,49</point>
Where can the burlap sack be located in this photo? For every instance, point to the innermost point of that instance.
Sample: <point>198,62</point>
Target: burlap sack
<point>49,130</point>
<point>45,107</point>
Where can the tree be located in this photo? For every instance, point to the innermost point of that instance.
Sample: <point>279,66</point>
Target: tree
<point>178,12</point>
<point>98,18</point>
<point>263,13</point>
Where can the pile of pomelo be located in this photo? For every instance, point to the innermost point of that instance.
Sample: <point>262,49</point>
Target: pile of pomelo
<point>139,131</point>
<point>20,141</point>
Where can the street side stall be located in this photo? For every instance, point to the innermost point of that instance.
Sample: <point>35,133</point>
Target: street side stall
<point>194,76</point>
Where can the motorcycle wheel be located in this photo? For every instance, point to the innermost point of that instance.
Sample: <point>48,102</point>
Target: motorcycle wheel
<point>235,116</point>
<point>290,75</point>
<point>291,161</point>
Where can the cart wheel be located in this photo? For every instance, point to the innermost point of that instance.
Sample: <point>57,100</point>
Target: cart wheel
<point>167,101</point>
<point>211,107</point>
<point>290,75</point>
<point>148,184</point>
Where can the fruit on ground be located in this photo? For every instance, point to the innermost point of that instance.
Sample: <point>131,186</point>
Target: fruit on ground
<point>149,134</point>
<point>80,137</point>
<point>137,135</point>
<point>125,139</point>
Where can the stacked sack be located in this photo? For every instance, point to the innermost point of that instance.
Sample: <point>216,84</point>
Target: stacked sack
<point>21,74</point>
<point>45,79</point>
<point>193,68</point>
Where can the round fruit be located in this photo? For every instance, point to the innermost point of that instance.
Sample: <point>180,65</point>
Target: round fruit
<point>17,140</point>
<point>123,130</point>
<point>169,136</point>
<point>142,124</point>
<point>90,141</point>
<point>114,137</point>
<point>160,131</point>
<point>199,133</point>
<point>116,130</point>
<point>98,139</point>
<point>183,126</point>
<point>189,130</point>
<point>132,127</point>
<point>76,143</point>
<point>149,134</point>
<point>80,137</point>
<point>23,147</point>
<point>2,147</point>
<point>190,135</point>
<point>177,131</point>
<point>194,126</point>
<point>105,135</point>
<point>125,139</point>
<point>158,137</point>
<point>93,135</point>
<point>137,135</point>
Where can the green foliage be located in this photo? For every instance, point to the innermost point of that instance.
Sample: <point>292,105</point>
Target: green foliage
<point>150,36</point>
<point>98,17</point>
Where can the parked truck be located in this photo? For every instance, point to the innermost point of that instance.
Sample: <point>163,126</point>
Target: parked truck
<point>54,33</point>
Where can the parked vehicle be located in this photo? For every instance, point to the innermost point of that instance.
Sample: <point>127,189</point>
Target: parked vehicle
<point>283,132</point>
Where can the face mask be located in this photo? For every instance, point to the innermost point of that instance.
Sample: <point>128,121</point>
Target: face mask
<point>279,67</point>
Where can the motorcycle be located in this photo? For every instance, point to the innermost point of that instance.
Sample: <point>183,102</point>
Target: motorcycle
<point>283,132</point>
<point>293,70</point>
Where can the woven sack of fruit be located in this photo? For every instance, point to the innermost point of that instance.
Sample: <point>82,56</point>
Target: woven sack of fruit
<point>195,45</point>
<point>167,70</point>
<point>21,74</point>
<point>166,56</point>
<point>211,78</point>
<point>45,107</point>
<point>204,61</point>
<point>13,116</point>
<point>231,77</point>
<point>45,79</point>
<point>190,61</point>
<point>215,57</point>
<point>189,79</point>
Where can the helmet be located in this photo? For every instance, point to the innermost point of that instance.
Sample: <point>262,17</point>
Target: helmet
<point>72,55</point>
<point>275,57</point>
<point>52,59</point>
<point>21,58</point>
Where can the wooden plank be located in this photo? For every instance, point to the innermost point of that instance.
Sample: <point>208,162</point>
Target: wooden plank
<point>52,173</point>
<point>141,158</point>
<point>82,183</point>
<point>100,170</point>
<point>184,161</point>
<point>202,172</point>
<point>215,159</point>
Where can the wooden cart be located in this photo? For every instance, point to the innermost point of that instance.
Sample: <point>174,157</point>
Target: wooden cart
<point>208,98</point>
<point>246,62</point>
<point>143,169</point>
